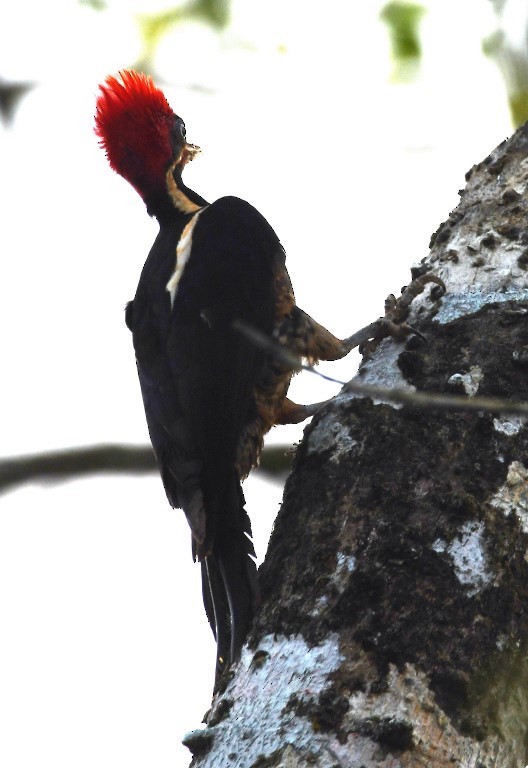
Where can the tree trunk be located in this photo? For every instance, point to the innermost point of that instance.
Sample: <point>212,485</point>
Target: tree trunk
<point>394,619</point>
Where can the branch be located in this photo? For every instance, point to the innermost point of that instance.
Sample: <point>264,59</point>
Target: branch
<point>70,463</point>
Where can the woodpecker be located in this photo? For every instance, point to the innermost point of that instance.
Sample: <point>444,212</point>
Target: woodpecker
<point>210,394</point>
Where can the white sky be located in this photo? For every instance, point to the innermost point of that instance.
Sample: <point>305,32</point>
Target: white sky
<point>105,655</point>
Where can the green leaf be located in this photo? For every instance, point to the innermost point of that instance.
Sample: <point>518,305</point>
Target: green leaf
<point>214,12</point>
<point>154,26</point>
<point>403,20</point>
<point>518,103</point>
<point>96,5</point>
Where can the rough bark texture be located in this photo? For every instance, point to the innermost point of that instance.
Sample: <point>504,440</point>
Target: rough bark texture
<point>394,623</point>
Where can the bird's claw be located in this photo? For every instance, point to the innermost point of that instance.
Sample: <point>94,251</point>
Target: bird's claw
<point>396,312</point>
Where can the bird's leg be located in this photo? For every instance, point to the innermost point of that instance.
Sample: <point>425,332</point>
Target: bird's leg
<point>293,413</point>
<point>305,337</point>
<point>311,340</point>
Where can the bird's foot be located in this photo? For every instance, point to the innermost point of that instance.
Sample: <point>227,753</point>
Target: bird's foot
<point>393,323</point>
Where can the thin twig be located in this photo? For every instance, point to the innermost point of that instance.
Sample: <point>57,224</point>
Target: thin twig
<point>432,401</point>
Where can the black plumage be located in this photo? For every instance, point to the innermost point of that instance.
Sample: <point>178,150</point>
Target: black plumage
<point>198,378</point>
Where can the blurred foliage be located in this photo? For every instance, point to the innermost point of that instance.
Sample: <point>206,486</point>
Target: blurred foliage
<point>518,103</point>
<point>276,461</point>
<point>10,96</point>
<point>513,64</point>
<point>154,26</point>
<point>491,44</point>
<point>403,21</point>
<point>96,5</point>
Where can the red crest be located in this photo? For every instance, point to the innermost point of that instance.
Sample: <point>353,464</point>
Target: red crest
<point>133,121</point>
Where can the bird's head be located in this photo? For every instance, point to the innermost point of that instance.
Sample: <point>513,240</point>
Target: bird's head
<point>143,138</point>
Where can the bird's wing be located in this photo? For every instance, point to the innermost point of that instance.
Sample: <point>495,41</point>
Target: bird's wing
<point>230,275</point>
<point>197,374</point>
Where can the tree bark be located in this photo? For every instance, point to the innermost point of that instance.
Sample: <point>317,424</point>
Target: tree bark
<point>394,620</point>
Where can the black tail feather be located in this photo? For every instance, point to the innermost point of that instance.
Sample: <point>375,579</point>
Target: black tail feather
<point>229,579</point>
<point>217,609</point>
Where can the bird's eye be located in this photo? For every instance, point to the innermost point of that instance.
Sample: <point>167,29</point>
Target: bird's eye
<point>178,135</point>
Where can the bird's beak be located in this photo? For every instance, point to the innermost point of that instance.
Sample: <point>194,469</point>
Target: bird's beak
<point>189,152</point>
